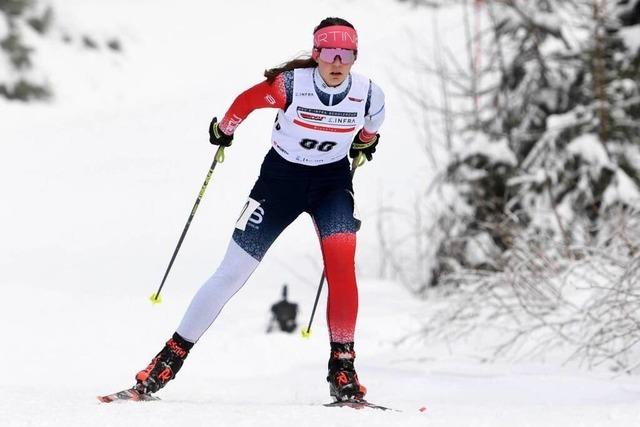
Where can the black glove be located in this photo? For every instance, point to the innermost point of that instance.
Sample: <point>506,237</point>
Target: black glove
<point>217,137</point>
<point>368,148</point>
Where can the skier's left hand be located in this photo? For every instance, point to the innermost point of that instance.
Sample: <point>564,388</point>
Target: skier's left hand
<point>364,144</point>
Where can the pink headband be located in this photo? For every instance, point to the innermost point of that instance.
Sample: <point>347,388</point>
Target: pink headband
<point>336,36</point>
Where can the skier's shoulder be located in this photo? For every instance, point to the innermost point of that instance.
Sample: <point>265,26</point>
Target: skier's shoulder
<point>375,95</point>
<point>372,88</point>
<point>282,78</point>
<point>280,87</point>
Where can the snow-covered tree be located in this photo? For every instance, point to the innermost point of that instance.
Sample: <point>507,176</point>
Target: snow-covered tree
<point>17,77</point>
<point>23,25</point>
<point>538,207</point>
<point>555,142</point>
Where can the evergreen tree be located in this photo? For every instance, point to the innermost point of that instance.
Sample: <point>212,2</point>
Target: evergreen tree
<point>22,20</point>
<point>554,144</point>
<point>16,77</point>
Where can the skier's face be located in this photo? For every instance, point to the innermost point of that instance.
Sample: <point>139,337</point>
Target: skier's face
<point>333,73</point>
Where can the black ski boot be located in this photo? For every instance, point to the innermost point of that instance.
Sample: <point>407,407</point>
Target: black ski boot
<point>164,367</point>
<point>342,378</point>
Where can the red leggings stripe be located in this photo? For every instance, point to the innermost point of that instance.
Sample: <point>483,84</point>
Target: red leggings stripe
<point>338,251</point>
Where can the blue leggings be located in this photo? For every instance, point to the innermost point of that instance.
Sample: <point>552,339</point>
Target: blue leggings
<point>282,192</point>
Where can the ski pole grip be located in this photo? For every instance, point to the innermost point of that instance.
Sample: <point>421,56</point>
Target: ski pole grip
<point>359,160</point>
<point>220,154</point>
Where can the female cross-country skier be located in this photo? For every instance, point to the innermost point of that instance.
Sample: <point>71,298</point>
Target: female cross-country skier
<point>324,113</point>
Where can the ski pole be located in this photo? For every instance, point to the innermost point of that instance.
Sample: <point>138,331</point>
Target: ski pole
<point>306,333</point>
<point>218,158</point>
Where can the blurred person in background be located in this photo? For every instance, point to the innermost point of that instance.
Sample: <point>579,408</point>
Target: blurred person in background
<point>283,313</point>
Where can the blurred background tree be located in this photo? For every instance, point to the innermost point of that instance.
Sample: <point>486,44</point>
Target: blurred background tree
<point>23,24</point>
<point>17,79</point>
<point>541,132</point>
<point>533,222</point>
<point>554,145</point>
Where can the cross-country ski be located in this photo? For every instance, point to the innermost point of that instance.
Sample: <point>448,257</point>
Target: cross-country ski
<point>130,394</point>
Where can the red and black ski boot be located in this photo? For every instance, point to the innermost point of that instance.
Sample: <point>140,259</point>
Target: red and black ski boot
<point>164,367</point>
<point>342,378</point>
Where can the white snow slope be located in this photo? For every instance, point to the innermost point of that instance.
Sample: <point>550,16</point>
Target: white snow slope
<point>95,188</point>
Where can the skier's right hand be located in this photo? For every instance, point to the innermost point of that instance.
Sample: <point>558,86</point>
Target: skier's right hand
<point>216,136</point>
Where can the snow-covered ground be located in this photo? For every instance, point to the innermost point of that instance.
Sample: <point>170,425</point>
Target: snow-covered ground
<point>95,189</point>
